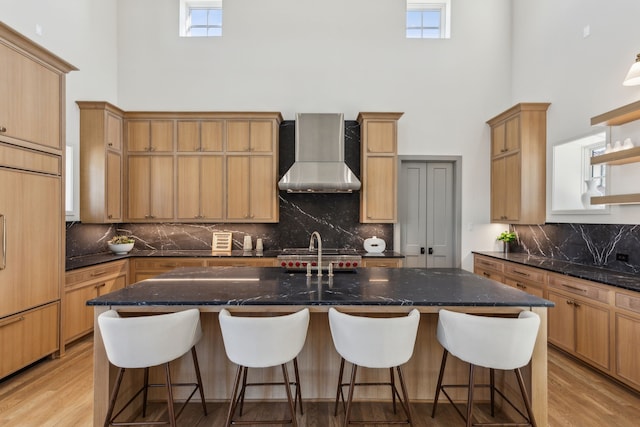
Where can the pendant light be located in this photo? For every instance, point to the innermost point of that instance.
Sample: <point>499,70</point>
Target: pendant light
<point>633,76</point>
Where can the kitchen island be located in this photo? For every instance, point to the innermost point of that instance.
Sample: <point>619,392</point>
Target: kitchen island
<point>374,291</point>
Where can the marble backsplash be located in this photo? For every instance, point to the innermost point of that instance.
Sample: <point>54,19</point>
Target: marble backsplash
<point>334,216</point>
<point>588,244</point>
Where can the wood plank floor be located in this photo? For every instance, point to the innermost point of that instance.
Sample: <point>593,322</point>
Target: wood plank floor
<point>59,393</point>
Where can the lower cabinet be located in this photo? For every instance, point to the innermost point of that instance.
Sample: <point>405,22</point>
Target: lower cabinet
<point>527,279</point>
<point>627,337</point>
<point>27,337</point>
<point>242,262</point>
<point>146,268</point>
<point>382,262</point>
<point>85,284</point>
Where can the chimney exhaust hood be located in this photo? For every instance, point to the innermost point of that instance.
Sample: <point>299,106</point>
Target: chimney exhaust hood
<point>319,165</point>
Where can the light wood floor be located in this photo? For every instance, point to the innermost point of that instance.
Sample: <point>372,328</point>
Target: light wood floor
<point>59,393</point>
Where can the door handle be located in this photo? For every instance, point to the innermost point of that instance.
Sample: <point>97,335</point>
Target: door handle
<point>421,251</point>
<point>430,251</point>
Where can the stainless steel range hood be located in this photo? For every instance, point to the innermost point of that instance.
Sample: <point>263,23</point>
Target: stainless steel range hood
<point>319,160</point>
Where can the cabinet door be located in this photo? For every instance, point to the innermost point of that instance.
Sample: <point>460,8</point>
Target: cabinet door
<point>505,188</point>
<point>379,190</point>
<point>212,187</point>
<point>381,137</point>
<point>592,333</point>
<point>113,284</point>
<point>512,134</point>
<point>114,186</point>
<point>261,136</point>
<point>114,132</point>
<point>78,317</point>
<point>30,101</point>
<point>32,240</point>
<point>238,179</point>
<point>138,135</point>
<point>188,135</point>
<point>188,187</point>
<point>161,136</point>
<point>627,337</point>
<point>150,187</point>
<point>562,322</point>
<point>211,135</point>
<point>262,189</point>
<point>27,337</point>
<point>150,135</point>
<point>498,135</point>
<point>238,135</point>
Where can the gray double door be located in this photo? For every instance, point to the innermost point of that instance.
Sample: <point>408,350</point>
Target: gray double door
<point>427,214</point>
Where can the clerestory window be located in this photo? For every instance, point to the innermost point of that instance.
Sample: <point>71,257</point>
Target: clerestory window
<point>201,18</point>
<point>428,20</point>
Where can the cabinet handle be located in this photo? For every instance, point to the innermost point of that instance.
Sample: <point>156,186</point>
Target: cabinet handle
<point>486,274</point>
<point>168,265</point>
<point>575,304</point>
<point>521,286</point>
<point>574,288</point>
<point>152,148</point>
<point>101,285</point>
<point>109,216</point>
<point>3,129</point>
<point>98,273</point>
<point>12,321</point>
<point>570,302</point>
<point>110,144</point>
<point>4,242</point>
<point>521,273</point>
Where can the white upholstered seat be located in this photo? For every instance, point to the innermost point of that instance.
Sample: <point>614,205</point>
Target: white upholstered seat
<point>146,341</point>
<point>262,342</point>
<point>490,342</point>
<point>374,343</point>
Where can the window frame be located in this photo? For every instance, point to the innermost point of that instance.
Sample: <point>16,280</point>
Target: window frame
<point>443,7</point>
<point>186,6</point>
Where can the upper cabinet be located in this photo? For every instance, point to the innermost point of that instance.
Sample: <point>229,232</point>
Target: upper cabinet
<point>155,136</point>
<point>379,167</point>
<point>100,162</point>
<point>518,164</point>
<point>178,166</point>
<point>617,117</point>
<point>32,90</point>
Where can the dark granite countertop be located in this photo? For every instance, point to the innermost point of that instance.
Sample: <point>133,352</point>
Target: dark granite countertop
<point>595,274</point>
<point>96,259</point>
<point>273,286</point>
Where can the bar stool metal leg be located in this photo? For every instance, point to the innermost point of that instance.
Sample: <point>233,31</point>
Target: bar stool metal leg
<point>439,386</point>
<point>470,395</point>
<point>172,415</point>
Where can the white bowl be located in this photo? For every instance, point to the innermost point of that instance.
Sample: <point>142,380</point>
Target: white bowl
<point>121,249</point>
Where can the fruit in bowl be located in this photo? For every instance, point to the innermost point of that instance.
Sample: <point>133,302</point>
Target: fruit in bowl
<point>121,245</point>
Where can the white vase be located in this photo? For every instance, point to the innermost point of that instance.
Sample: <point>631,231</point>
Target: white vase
<point>592,191</point>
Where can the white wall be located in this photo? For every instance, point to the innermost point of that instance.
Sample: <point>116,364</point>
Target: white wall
<point>580,76</point>
<point>296,56</point>
<point>82,32</point>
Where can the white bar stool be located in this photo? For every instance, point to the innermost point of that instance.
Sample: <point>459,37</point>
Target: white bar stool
<point>374,343</point>
<point>146,341</point>
<point>263,342</point>
<point>490,342</point>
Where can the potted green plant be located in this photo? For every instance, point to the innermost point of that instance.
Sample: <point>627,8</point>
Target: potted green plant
<point>507,237</point>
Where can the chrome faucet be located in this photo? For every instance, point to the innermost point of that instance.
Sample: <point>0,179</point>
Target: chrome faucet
<point>311,248</point>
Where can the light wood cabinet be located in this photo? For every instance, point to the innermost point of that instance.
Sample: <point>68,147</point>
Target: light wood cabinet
<point>581,323</point>
<point>32,105</point>
<point>200,188</point>
<point>242,262</point>
<point>84,284</point>
<point>255,136</point>
<point>150,135</point>
<point>518,164</point>
<point>382,262</point>
<point>627,337</point>
<point>251,189</point>
<point>488,267</point>
<point>27,337</point>
<point>150,188</point>
<point>145,268</point>
<point>379,164</point>
<point>530,280</point>
<point>100,162</point>
<point>200,135</point>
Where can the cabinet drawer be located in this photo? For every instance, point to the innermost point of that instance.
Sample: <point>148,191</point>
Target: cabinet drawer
<point>387,263</point>
<point>525,273</point>
<point>489,274</point>
<point>28,337</point>
<point>242,262</point>
<point>168,263</point>
<point>528,286</point>
<point>22,158</point>
<point>628,302</point>
<point>579,287</point>
<point>95,272</point>
<point>488,263</point>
